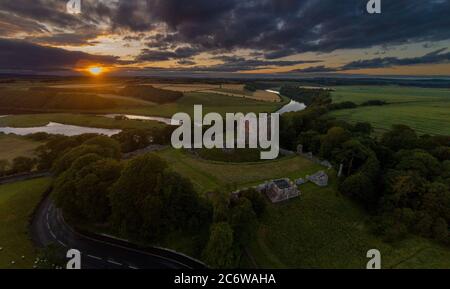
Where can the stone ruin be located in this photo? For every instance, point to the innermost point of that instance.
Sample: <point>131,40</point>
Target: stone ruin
<point>279,190</point>
<point>320,178</point>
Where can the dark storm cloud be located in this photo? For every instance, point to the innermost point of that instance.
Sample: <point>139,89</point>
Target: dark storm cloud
<point>285,27</point>
<point>27,56</point>
<point>314,69</point>
<point>434,57</point>
<point>70,39</point>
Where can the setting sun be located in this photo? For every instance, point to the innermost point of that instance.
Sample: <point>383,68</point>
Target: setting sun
<point>96,70</point>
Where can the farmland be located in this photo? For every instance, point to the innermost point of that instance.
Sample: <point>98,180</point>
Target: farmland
<point>427,110</point>
<point>14,146</point>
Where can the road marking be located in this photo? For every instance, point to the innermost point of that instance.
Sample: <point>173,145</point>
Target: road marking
<point>132,267</point>
<point>114,262</point>
<point>53,235</point>
<point>94,257</point>
<point>64,245</point>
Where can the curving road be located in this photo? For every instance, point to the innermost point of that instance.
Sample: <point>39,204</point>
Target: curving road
<point>101,252</point>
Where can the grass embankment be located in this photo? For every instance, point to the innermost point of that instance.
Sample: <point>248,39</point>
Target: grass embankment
<point>17,203</point>
<point>323,229</point>
<point>209,175</point>
<point>427,110</point>
<point>13,146</point>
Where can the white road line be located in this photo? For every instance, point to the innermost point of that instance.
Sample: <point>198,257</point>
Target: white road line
<point>53,234</point>
<point>64,245</point>
<point>48,226</point>
<point>94,257</point>
<point>132,267</point>
<point>114,262</point>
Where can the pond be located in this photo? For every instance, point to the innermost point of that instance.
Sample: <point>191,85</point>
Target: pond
<point>292,106</point>
<point>58,128</point>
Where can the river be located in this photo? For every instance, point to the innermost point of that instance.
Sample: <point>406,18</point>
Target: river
<point>58,128</point>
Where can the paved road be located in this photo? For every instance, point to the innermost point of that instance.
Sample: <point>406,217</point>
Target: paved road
<point>23,177</point>
<point>48,227</point>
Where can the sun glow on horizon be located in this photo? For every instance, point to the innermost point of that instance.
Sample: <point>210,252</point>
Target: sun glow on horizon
<point>96,70</point>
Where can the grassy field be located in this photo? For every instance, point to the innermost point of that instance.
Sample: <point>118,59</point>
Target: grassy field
<point>17,202</point>
<point>427,110</point>
<point>323,229</point>
<point>211,102</point>
<point>210,175</point>
<point>14,146</point>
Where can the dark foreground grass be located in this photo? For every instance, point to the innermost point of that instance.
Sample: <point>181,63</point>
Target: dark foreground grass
<point>17,203</point>
<point>323,229</point>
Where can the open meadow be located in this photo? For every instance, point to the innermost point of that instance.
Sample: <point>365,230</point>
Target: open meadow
<point>427,110</point>
<point>324,229</point>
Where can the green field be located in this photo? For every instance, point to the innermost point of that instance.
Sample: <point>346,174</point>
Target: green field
<point>427,110</point>
<point>323,229</point>
<point>14,146</point>
<point>17,202</point>
<point>211,103</point>
<point>210,175</point>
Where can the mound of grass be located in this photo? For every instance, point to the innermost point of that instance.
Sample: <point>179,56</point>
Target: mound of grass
<point>17,202</point>
<point>210,175</point>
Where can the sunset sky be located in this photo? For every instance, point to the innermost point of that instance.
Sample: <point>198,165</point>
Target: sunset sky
<point>294,37</point>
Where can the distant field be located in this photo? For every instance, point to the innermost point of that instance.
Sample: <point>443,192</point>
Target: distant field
<point>210,175</point>
<point>17,202</point>
<point>32,120</point>
<point>427,110</point>
<point>15,146</point>
<point>323,229</point>
<point>234,90</point>
<point>212,102</point>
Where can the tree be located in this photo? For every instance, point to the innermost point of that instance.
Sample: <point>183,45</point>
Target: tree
<point>22,165</point>
<point>4,165</point>
<point>363,127</point>
<point>257,200</point>
<point>400,137</point>
<point>332,140</point>
<point>82,191</point>
<point>359,187</point>
<point>100,145</point>
<point>149,200</point>
<point>419,161</point>
<point>131,140</point>
<point>440,230</point>
<point>220,251</point>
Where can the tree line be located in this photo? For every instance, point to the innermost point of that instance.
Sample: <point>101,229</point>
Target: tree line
<point>401,177</point>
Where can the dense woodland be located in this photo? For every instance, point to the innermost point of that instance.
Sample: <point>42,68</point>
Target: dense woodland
<point>400,177</point>
<point>143,199</point>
